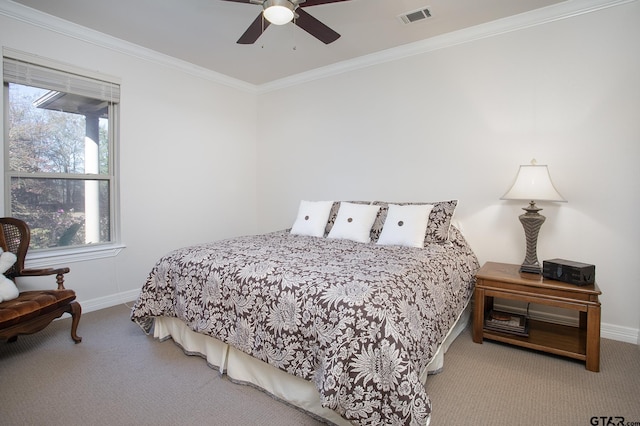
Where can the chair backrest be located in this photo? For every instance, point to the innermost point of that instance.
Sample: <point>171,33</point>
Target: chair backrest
<point>15,237</point>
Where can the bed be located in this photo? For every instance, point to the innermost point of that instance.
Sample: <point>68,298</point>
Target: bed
<point>340,324</point>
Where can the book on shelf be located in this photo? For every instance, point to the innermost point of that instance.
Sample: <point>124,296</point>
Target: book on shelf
<point>506,322</point>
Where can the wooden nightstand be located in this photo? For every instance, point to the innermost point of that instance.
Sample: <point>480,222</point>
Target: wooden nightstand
<point>504,281</point>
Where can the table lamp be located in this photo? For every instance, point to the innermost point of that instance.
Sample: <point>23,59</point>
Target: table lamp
<point>533,183</point>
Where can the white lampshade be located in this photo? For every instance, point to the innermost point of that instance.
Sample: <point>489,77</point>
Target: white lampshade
<point>278,12</point>
<point>533,183</point>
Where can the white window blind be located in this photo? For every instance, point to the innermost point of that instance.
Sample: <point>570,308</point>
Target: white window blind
<point>30,74</point>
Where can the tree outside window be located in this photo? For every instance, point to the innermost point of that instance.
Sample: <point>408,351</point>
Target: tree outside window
<point>58,166</point>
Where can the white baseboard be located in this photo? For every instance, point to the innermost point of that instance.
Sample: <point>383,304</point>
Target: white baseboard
<point>109,301</point>
<point>622,334</point>
<point>607,331</point>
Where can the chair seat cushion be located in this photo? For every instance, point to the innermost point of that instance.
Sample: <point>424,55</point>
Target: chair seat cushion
<point>30,304</point>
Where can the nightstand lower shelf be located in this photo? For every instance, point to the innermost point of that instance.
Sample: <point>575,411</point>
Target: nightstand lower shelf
<point>544,336</point>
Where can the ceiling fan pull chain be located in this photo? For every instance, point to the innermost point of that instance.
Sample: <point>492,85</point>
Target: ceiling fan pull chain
<point>262,44</point>
<point>293,29</point>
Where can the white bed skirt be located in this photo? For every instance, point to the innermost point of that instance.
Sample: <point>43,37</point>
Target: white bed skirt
<point>243,368</point>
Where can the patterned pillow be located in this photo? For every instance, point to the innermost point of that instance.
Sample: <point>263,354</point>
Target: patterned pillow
<point>437,228</point>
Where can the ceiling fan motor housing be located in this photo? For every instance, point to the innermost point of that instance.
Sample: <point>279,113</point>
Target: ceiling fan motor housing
<point>278,12</point>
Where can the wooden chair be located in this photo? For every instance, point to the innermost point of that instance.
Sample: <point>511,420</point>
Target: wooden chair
<point>33,310</point>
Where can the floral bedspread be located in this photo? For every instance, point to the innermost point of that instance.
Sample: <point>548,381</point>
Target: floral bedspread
<point>359,320</point>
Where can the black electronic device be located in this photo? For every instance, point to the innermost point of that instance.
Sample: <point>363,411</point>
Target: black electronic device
<point>569,271</point>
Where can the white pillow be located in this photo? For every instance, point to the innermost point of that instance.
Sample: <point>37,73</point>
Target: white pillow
<point>312,218</point>
<point>405,225</point>
<point>354,222</point>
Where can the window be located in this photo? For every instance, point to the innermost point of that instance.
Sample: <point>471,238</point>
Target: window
<point>59,152</point>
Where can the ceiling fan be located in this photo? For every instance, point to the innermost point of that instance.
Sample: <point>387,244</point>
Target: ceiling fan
<point>280,12</point>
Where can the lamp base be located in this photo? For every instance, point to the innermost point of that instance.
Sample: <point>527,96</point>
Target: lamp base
<point>531,269</point>
<point>531,222</point>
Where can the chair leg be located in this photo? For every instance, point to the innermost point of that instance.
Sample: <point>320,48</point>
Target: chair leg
<point>75,311</point>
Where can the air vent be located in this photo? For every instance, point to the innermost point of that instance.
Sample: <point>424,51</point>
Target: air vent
<point>415,16</point>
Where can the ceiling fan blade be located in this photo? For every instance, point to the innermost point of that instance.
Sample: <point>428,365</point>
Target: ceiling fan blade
<point>313,2</point>
<point>315,27</point>
<point>240,1</point>
<point>254,31</point>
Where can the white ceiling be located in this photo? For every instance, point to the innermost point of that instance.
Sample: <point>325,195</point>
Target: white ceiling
<point>204,32</point>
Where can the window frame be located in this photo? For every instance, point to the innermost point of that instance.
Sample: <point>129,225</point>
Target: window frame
<point>45,256</point>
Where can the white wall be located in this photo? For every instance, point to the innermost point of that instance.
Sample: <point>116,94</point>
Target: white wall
<point>187,159</point>
<point>456,123</point>
<point>452,123</point>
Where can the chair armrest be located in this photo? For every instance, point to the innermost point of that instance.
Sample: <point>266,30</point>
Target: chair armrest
<point>58,272</point>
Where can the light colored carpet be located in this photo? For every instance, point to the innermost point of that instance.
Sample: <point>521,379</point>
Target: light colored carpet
<point>501,385</point>
<point>120,376</point>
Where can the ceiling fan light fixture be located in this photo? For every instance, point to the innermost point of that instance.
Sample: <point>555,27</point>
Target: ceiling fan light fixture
<point>278,12</point>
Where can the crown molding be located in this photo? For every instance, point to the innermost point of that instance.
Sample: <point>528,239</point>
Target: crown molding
<point>557,12</point>
<point>51,23</point>
<point>560,11</point>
